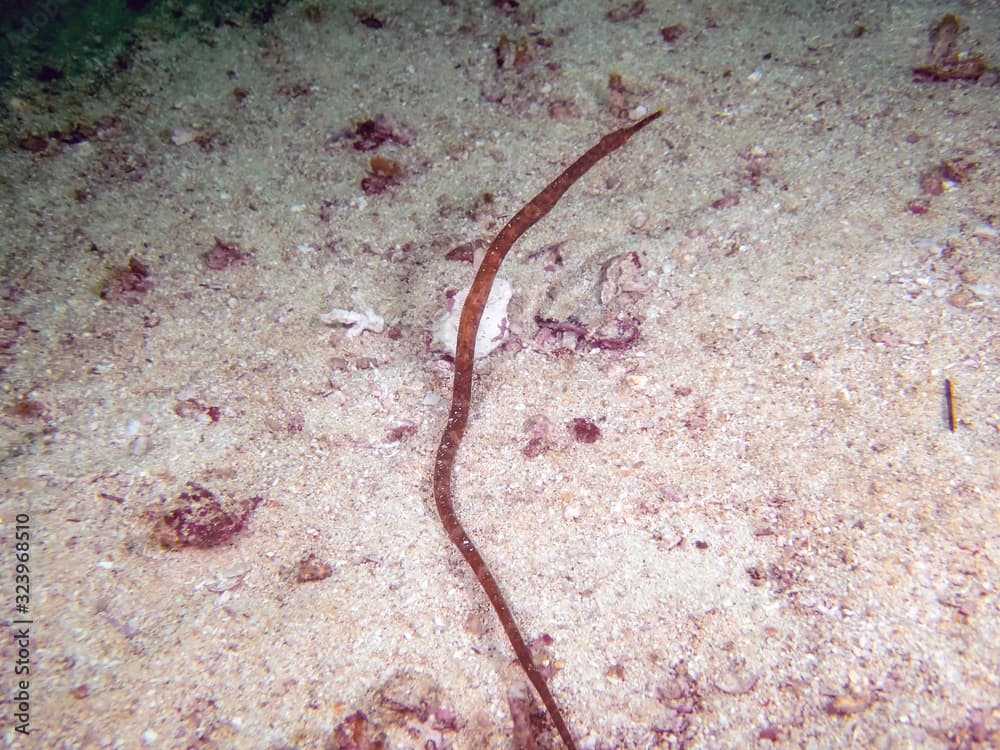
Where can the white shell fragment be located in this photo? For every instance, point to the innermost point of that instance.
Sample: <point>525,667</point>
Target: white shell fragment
<point>492,327</point>
<point>355,322</point>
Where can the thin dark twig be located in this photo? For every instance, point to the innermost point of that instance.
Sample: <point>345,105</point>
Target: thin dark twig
<point>461,397</point>
<point>949,405</point>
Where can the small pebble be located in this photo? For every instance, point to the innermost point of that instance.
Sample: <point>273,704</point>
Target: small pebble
<point>638,112</point>
<point>962,298</point>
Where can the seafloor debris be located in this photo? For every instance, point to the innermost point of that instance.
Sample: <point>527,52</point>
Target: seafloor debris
<point>948,60</point>
<point>368,19</point>
<point>627,11</point>
<point>192,408</point>
<point>539,431</point>
<point>527,717</point>
<point>225,254</point>
<point>933,181</point>
<point>584,430</point>
<point>465,252</point>
<point>383,174</point>
<point>616,335</point>
<point>199,518</point>
<point>370,134</point>
<point>312,568</point>
<point>622,282</point>
<point>671,34</point>
<point>954,171</point>
<point>401,430</point>
<point>126,284</point>
<point>356,323</point>
<point>513,54</point>
<point>51,143</point>
<point>405,711</point>
<point>357,733</point>
<point>26,409</point>
<point>849,703</point>
<point>570,332</point>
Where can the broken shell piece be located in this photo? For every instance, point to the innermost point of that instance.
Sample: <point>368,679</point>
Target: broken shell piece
<point>355,322</point>
<point>183,136</point>
<point>492,328</point>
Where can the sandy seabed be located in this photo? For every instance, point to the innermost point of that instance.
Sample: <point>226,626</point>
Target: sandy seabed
<point>776,539</point>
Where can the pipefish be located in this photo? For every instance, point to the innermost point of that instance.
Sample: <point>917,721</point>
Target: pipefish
<point>461,398</point>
